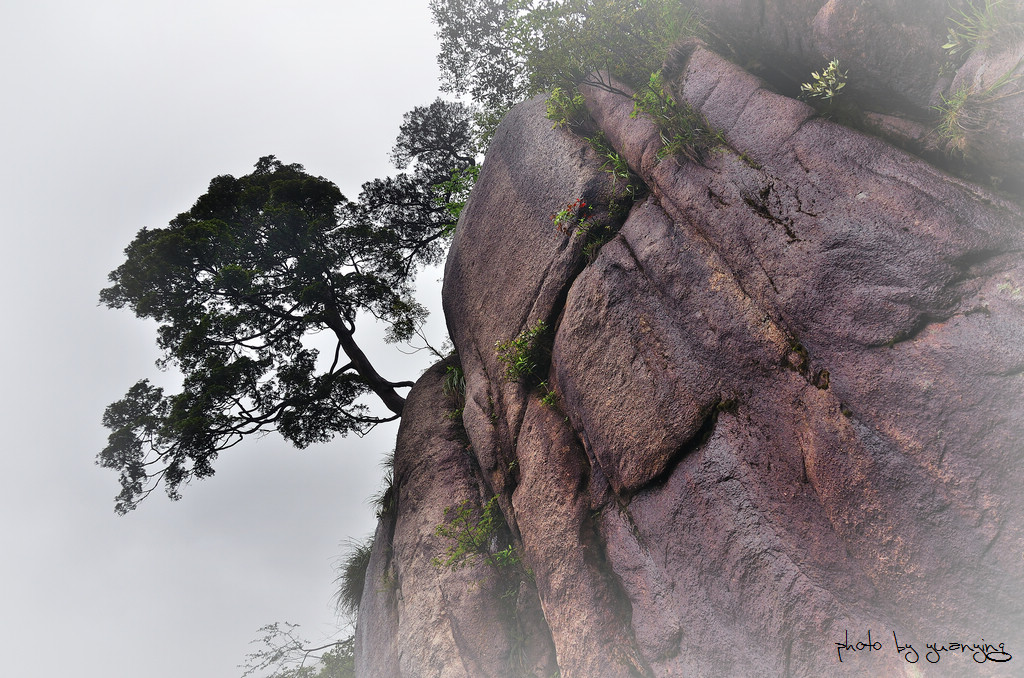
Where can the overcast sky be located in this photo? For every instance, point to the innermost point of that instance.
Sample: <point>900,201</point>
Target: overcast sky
<point>115,116</point>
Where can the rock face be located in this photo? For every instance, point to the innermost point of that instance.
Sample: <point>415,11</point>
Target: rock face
<point>788,410</point>
<point>902,79</point>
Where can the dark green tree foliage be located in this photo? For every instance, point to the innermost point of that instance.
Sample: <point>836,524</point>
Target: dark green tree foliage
<point>415,210</point>
<point>258,264</point>
<point>476,57</point>
<point>570,42</point>
<point>437,138</point>
<point>500,51</point>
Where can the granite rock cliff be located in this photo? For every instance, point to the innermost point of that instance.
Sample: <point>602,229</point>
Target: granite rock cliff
<point>788,395</point>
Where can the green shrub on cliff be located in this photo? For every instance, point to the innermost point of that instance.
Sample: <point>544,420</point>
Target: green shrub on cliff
<point>684,131</point>
<point>481,533</point>
<point>567,108</point>
<point>473,533</point>
<point>525,355</point>
<point>825,85</point>
<point>982,25</point>
<point>577,218</point>
<point>966,112</point>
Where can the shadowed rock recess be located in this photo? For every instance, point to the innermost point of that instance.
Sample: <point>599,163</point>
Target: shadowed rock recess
<point>788,407</point>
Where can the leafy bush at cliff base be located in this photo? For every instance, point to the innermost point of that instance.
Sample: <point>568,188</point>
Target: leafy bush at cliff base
<point>287,655</point>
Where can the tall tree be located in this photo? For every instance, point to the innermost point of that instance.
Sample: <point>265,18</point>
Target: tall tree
<point>501,51</point>
<point>242,279</point>
<point>236,283</point>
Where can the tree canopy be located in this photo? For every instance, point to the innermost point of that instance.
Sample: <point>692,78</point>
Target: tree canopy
<point>239,283</point>
<point>501,51</point>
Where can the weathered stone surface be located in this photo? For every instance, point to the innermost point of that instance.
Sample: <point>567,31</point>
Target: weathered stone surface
<point>896,67</point>
<point>883,277</point>
<point>428,621</point>
<point>376,638</point>
<point>790,407</point>
<point>892,50</point>
<point>498,283</point>
<point>989,121</point>
<point>640,388</point>
<point>587,613</point>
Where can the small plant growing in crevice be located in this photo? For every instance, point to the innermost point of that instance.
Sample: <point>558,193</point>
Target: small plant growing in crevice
<point>966,112</point>
<point>351,577</point>
<point>384,499</point>
<point>987,24</point>
<point>492,410</point>
<point>573,218</point>
<point>526,356</point>
<point>614,164</point>
<point>454,386</point>
<point>474,531</point>
<point>577,217</point>
<point>550,397</point>
<point>684,131</point>
<point>1012,291</point>
<point>570,110</point>
<point>956,120</point>
<point>826,85</point>
<point>480,533</point>
<point>566,108</point>
<point>626,187</point>
<point>797,359</point>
